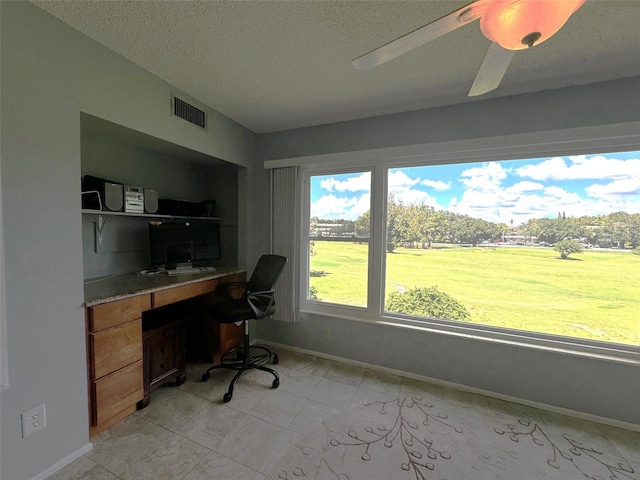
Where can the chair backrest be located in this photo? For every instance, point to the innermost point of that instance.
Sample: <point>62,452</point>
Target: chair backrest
<point>266,273</point>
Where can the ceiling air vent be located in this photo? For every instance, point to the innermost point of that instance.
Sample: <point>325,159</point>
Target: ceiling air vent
<point>189,113</point>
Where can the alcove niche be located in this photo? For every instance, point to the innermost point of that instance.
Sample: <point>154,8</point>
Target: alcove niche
<point>118,244</point>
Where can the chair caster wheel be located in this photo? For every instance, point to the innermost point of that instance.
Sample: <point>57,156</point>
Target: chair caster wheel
<point>205,376</point>
<point>275,359</point>
<point>227,397</point>
<point>276,383</point>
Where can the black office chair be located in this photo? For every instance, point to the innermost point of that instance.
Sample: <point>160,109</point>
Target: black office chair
<point>257,302</point>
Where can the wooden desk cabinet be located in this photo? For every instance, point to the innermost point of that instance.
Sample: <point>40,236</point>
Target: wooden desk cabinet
<point>184,292</point>
<point>115,360</point>
<point>126,362</point>
<point>163,356</point>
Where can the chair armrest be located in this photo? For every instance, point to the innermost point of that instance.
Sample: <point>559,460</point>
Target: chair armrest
<point>262,303</point>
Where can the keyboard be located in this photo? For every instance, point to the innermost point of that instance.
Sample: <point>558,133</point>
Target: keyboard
<point>182,271</point>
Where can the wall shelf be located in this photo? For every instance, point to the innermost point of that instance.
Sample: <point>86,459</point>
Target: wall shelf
<point>102,214</point>
<point>86,211</point>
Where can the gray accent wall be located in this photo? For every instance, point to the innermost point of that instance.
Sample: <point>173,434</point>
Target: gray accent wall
<point>123,246</point>
<point>587,385</point>
<point>50,75</point>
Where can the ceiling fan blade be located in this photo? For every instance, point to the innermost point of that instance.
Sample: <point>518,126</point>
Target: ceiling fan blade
<point>420,36</point>
<point>493,68</point>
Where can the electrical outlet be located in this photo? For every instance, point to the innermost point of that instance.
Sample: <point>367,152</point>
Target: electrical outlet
<point>327,332</point>
<point>33,420</point>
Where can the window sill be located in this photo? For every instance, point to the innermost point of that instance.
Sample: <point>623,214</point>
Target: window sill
<point>563,345</point>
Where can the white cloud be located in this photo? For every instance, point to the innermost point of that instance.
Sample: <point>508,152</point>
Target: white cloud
<point>581,168</point>
<point>415,197</point>
<point>332,207</point>
<point>509,204</point>
<point>618,187</point>
<point>524,187</point>
<point>616,196</point>
<point>487,177</point>
<point>361,183</point>
<point>558,194</point>
<point>400,186</point>
<point>436,185</point>
<point>399,180</point>
<point>361,206</point>
<point>485,197</point>
<point>541,190</point>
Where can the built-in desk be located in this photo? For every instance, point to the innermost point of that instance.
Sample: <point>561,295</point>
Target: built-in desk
<point>117,346</point>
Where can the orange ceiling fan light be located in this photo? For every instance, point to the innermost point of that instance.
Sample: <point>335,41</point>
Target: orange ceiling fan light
<point>520,24</point>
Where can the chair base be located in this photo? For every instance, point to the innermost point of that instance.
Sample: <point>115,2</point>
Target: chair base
<point>243,362</point>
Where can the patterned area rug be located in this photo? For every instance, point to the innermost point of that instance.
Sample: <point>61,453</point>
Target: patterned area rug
<point>412,438</point>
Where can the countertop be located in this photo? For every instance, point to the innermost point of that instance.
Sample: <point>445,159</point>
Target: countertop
<point>108,289</point>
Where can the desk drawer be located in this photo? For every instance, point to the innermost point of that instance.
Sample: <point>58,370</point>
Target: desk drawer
<point>117,392</point>
<point>111,314</point>
<point>176,294</point>
<point>116,347</point>
<point>162,350</point>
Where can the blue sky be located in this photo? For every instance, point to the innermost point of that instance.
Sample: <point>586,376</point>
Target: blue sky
<point>515,190</point>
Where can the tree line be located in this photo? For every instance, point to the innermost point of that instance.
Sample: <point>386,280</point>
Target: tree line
<point>617,229</point>
<point>421,225</point>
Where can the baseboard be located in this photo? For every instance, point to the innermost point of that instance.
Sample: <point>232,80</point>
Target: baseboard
<point>64,462</point>
<point>465,388</point>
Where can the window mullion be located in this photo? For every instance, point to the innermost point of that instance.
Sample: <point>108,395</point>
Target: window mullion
<point>376,246</point>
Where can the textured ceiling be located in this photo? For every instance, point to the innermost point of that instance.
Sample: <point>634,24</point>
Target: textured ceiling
<point>275,65</point>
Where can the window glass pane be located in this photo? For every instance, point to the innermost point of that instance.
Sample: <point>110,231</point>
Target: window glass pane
<point>340,204</point>
<point>548,245</point>
<point>338,273</point>
<point>339,212</point>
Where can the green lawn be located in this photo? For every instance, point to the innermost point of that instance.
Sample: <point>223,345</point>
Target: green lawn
<point>595,295</point>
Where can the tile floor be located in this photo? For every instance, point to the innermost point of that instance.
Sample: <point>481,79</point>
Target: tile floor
<point>330,420</point>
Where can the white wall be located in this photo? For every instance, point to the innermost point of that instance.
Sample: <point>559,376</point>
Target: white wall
<point>587,385</point>
<point>597,104</point>
<point>50,73</point>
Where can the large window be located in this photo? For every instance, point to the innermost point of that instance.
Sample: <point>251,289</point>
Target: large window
<point>548,247</point>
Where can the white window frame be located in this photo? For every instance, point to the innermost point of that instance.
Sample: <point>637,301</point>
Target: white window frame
<point>584,140</point>
<point>310,306</point>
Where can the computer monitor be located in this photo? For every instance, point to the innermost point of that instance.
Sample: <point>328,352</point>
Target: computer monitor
<point>178,244</point>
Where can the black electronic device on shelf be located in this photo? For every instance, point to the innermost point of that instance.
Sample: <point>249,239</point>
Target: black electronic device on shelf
<point>184,244</point>
<point>184,208</point>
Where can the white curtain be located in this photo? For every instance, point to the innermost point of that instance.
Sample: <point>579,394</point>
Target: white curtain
<point>284,239</point>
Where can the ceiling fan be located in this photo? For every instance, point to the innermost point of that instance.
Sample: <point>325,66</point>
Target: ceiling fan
<point>510,25</point>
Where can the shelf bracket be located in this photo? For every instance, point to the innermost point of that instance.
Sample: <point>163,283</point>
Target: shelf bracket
<point>99,226</point>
